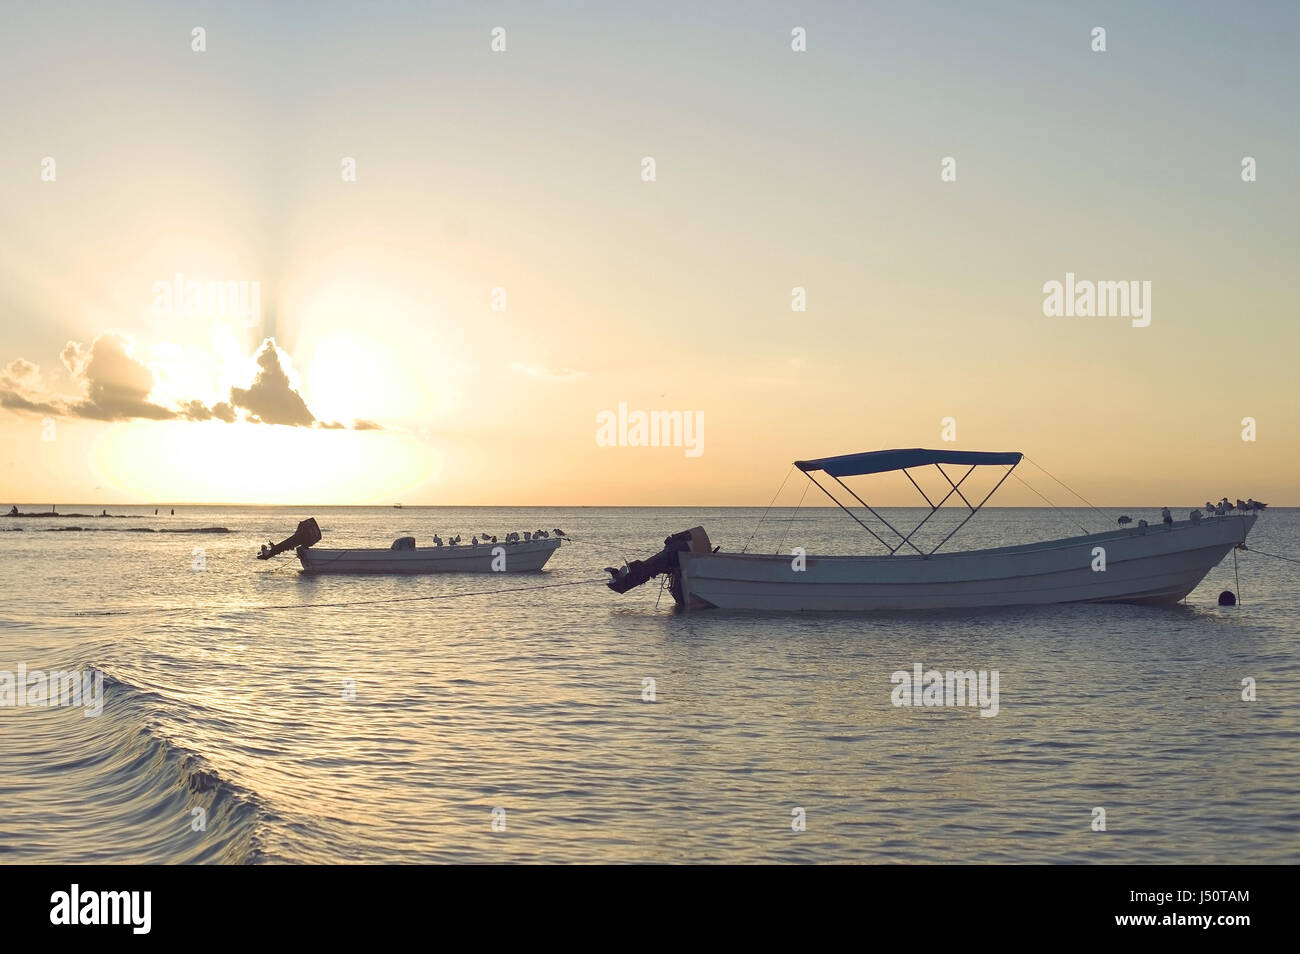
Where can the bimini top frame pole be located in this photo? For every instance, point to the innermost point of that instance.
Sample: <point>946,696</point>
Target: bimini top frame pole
<point>878,462</point>
<point>974,510</point>
<point>934,507</point>
<point>849,512</point>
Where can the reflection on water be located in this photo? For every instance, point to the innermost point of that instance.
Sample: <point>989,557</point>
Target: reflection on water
<point>390,732</point>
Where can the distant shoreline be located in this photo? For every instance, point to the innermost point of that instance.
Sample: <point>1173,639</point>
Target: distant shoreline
<point>83,516</point>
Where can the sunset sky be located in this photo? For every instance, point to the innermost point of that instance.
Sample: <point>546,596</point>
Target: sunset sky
<point>522,170</point>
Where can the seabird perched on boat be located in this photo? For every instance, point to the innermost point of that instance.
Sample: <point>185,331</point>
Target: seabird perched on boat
<point>1194,516</point>
<point>1225,504</point>
<point>1255,505</point>
<point>1209,507</point>
<point>527,535</point>
<point>1126,519</point>
<point>403,556</point>
<point>1165,515</point>
<point>437,540</point>
<point>1143,523</point>
<point>559,533</point>
<point>494,539</point>
<point>474,541</point>
<point>1241,505</point>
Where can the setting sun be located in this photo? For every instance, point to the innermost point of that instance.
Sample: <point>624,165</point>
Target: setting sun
<point>212,461</point>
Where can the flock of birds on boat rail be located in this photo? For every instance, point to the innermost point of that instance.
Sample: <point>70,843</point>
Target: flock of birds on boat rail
<point>489,539</point>
<point>1222,508</point>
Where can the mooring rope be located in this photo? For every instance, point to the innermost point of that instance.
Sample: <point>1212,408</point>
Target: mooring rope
<point>792,516</point>
<point>1066,486</point>
<point>1236,579</point>
<point>745,549</point>
<point>1276,556</point>
<point>1048,502</point>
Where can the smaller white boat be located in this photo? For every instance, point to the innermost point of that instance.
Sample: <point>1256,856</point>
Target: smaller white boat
<point>403,556</point>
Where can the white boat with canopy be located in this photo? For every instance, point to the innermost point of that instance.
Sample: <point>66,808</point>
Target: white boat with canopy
<point>1158,563</point>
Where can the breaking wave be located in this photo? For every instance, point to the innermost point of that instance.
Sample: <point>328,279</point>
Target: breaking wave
<point>117,788</point>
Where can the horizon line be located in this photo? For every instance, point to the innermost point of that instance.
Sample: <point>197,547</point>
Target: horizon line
<point>170,504</point>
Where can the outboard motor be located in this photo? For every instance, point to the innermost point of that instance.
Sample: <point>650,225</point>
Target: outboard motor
<point>637,572</point>
<point>308,533</point>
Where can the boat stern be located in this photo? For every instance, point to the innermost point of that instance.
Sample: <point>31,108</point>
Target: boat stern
<point>665,562</point>
<point>307,535</point>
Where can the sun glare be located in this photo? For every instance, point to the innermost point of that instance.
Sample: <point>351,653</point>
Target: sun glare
<point>251,464</point>
<point>348,376</point>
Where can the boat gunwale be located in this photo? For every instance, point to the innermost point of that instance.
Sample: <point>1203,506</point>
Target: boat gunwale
<point>1040,546</point>
<point>466,549</point>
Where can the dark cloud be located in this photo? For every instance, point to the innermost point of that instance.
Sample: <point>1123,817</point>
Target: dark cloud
<point>194,411</point>
<point>16,402</point>
<point>19,389</point>
<point>115,386</point>
<point>270,399</point>
<point>198,411</point>
<point>357,425</point>
<point>20,374</point>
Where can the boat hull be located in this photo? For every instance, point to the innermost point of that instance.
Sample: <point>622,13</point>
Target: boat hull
<point>523,557</point>
<point>1154,564</point>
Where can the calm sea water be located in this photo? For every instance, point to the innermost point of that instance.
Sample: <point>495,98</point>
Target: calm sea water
<point>225,691</point>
